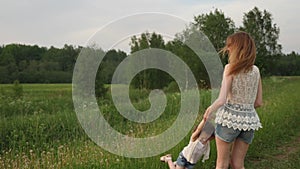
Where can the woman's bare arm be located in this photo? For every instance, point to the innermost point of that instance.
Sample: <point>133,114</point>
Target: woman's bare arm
<point>258,101</point>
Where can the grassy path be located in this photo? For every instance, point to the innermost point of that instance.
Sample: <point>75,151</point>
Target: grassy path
<point>287,156</point>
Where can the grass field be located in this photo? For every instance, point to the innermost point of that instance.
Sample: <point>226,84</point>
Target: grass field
<point>41,130</point>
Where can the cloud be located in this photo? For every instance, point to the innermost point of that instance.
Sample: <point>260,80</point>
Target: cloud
<point>54,22</point>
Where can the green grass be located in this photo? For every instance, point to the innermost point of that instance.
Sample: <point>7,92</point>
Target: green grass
<point>41,130</point>
<point>280,117</point>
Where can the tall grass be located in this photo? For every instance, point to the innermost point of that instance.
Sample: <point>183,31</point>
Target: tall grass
<point>280,117</point>
<point>40,129</point>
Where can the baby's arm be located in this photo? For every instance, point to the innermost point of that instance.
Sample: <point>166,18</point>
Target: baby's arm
<point>207,132</point>
<point>197,132</point>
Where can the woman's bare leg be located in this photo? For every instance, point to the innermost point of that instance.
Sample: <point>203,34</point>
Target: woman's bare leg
<point>238,155</point>
<point>223,154</point>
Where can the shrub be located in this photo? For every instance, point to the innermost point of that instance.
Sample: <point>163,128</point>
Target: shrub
<point>172,87</point>
<point>17,89</point>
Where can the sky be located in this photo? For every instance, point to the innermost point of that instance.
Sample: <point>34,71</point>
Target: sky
<point>75,22</point>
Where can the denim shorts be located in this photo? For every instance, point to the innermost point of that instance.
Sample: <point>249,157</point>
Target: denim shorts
<point>181,161</point>
<point>229,134</point>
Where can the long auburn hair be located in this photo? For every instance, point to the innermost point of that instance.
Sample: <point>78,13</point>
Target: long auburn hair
<point>242,52</point>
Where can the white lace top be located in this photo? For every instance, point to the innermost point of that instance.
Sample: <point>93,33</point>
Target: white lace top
<point>195,150</point>
<point>238,112</point>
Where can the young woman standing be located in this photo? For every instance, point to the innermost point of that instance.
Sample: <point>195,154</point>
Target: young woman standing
<point>241,92</point>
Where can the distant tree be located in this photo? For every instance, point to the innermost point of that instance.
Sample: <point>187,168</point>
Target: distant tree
<point>184,45</point>
<point>36,64</point>
<point>287,65</point>
<point>216,26</point>
<point>259,24</point>
<point>68,58</point>
<point>134,44</point>
<point>49,66</point>
<point>156,41</point>
<point>150,78</point>
<point>22,65</point>
<point>109,64</point>
<point>4,75</point>
<point>33,52</point>
<point>52,54</point>
<point>181,50</point>
<point>85,76</point>
<point>33,66</point>
<point>8,66</point>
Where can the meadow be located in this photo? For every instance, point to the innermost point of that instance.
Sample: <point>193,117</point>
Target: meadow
<point>40,129</point>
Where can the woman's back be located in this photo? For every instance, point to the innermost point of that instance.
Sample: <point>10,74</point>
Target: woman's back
<point>244,87</point>
<point>238,111</point>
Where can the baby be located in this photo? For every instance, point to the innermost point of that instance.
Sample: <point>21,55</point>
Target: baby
<point>198,146</point>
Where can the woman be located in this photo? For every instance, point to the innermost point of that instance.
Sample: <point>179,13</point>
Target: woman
<point>241,92</point>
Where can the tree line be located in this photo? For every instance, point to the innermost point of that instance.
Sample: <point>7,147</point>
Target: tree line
<point>34,64</point>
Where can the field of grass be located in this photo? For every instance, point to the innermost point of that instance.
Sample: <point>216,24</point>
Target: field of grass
<point>41,130</point>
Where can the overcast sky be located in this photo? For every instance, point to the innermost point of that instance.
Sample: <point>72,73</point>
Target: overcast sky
<point>58,22</point>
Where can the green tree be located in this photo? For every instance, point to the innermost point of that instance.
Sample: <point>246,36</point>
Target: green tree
<point>181,50</point>
<point>287,65</point>
<point>109,64</point>
<point>259,24</point>
<point>215,26</point>
<point>4,74</point>
<point>138,44</point>
<point>84,73</point>
<point>37,64</point>
<point>180,46</point>
<point>150,78</point>
<point>68,58</point>
<point>9,68</point>
<point>156,41</point>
